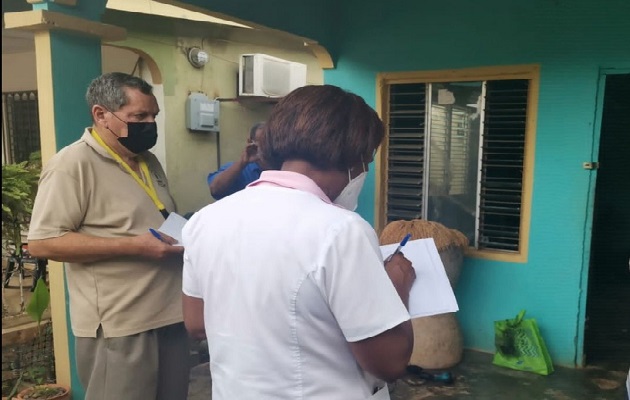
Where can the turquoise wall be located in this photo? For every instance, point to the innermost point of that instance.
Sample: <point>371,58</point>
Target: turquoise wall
<point>572,41</point>
<point>76,61</point>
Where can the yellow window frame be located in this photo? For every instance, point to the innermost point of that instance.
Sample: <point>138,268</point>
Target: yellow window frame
<point>530,72</point>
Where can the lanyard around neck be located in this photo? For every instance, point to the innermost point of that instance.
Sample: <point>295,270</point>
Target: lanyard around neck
<point>148,187</point>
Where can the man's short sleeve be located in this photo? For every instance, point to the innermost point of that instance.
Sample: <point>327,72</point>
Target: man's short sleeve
<point>59,205</point>
<point>234,187</point>
<point>352,278</point>
<point>214,174</point>
<point>249,174</point>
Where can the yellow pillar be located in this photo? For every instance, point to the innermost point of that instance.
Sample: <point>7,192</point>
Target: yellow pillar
<point>68,57</point>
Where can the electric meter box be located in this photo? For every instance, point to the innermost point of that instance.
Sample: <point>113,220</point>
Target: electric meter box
<point>202,114</point>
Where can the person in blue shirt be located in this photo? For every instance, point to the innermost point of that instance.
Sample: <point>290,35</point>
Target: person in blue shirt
<point>234,176</point>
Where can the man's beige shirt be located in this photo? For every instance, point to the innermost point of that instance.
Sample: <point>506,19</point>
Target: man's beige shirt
<point>83,189</point>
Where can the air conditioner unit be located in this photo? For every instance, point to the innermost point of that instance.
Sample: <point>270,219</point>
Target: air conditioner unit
<point>264,75</point>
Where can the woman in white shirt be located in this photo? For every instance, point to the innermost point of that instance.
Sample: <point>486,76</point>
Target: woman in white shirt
<point>285,280</point>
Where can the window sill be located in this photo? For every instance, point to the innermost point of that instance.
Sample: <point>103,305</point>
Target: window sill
<point>496,255</point>
<point>250,99</point>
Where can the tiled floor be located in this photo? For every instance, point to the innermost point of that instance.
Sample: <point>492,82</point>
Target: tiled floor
<point>477,379</point>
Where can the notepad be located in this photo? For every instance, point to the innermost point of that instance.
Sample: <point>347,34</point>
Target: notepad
<point>431,293</point>
<point>173,226</point>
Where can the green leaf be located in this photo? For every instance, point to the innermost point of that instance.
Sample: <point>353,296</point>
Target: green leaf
<point>40,299</point>
<point>19,186</point>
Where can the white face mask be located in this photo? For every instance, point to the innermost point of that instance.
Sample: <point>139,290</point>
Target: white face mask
<point>349,196</point>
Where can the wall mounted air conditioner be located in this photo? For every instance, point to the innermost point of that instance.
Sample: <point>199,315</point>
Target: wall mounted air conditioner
<point>267,76</point>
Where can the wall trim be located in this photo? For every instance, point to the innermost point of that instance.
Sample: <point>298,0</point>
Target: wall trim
<point>525,71</point>
<point>322,55</point>
<point>71,3</point>
<point>38,20</point>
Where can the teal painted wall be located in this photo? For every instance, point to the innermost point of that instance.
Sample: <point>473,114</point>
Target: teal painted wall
<point>76,61</point>
<point>571,40</point>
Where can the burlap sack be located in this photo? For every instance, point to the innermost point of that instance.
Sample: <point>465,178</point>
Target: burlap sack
<point>449,242</point>
<point>438,341</point>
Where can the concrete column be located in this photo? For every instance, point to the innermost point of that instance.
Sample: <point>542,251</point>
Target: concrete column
<point>68,53</point>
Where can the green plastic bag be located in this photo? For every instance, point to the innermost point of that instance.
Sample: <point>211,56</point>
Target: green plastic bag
<point>520,346</point>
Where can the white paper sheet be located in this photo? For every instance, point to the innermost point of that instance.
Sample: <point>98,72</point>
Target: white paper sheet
<point>431,292</point>
<point>172,226</point>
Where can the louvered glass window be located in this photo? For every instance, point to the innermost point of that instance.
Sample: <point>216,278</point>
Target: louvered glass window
<point>405,161</point>
<point>502,164</point>
<point>455,155</point>
<point>20,125</point>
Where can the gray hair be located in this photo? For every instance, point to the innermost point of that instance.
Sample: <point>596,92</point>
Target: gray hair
<point>108,90</point>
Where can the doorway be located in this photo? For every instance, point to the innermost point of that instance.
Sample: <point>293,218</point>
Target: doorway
<point>607,337</point>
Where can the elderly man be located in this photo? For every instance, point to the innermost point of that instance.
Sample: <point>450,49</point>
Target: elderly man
<point>97,198</point>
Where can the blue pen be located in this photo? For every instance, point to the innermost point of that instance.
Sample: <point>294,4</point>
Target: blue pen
<point>400,246</point>
<point>156,234</point>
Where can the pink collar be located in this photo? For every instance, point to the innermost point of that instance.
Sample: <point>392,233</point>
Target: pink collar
<point>291,180</point>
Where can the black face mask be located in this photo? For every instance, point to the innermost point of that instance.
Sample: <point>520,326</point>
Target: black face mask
<point>141,136</point>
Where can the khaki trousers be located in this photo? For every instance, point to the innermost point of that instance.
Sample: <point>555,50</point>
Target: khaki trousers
<point>145,366</point>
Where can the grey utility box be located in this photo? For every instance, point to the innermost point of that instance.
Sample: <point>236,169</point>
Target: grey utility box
<point>202,114</point>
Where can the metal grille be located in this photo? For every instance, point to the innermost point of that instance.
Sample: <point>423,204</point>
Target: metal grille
<point>449,149</point>
<point>502,164</point>
<point>405,165</point>
<point>25,353</point>
<point>502,150</point>
<point>20,128</point>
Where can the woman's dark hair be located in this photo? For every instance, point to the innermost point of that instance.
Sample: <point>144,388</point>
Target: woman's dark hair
<point>325,125</point>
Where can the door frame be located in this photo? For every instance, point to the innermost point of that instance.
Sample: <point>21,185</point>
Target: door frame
<point>590,210</point>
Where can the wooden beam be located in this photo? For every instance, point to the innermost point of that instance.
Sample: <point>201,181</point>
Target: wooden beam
<point>71,3</point>
<point>43,20</point>
<point>322,55</point>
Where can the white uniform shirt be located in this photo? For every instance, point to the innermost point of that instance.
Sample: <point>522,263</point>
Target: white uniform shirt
<point>287,279</point>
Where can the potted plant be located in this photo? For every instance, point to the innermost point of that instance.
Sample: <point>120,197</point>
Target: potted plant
<point>19,185</point>
<point>41,390</point>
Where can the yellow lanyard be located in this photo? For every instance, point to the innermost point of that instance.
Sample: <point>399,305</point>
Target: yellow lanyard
<point>148,187</point>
